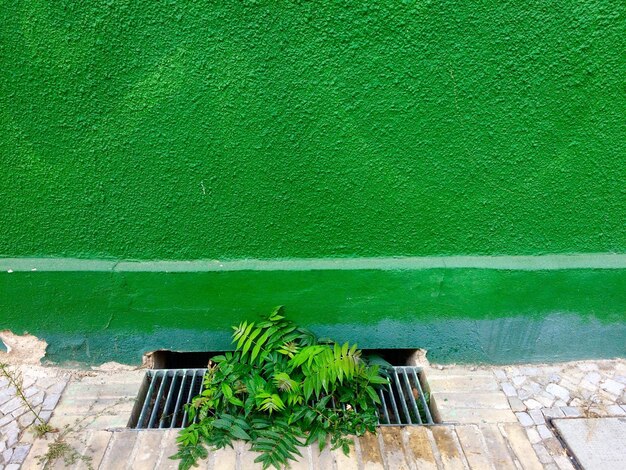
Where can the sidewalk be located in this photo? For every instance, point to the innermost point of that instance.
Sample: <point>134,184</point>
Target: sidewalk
<point>492,417</point>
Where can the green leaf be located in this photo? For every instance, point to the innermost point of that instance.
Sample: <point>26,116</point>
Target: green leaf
<point>254,334</point>
<point>239,433</point>
<point>222,423</point>
<point>227,391</point>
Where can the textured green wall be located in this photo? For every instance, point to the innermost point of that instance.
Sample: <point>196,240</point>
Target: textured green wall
<point>275,129</point>
<point>305,131</point>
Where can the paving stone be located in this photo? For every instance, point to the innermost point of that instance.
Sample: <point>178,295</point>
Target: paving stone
<point>532,404</point>
<point>11,405</point>
<point>533,435</point>
<point>596,443</point>
<point>19,411</point>
<point>516,404</point>
<point>11,434</point>
<point>419,447</point>
<point>546,399</point>
<point>4,420</point>
<point>497,447</point>
<point>117,421</point>
<point>525,419</point>
<point>544,432</point>
<point>508,389</point>
<point>370,452</point>
<point>6,395</point>
<point>38,449</point>
<point>518,381</point>
<point>97,443</point>
<point>449,447</point>
<point>563,462</point>
<point>518,441</point>
<point>465,384</point>
<point>593,377</point>
<point>500,374</point>
<point>326,459</point>
<point>588,386</point>
<point>473,415</point>
<point>542,454</point>
<point>392,448</point>
<point>612,387</point>
<point>19,453</point>
<point>147,450</point>
<point>615,410</point>
<point>114,390</point>
<point>224,459</point>
<point>474,447</point>
<point>558,391</point>
<point>491,401</point>
<point>553,412</point>
<point>45,416</point>
<point>50,401</point>
<point>554,446</point>
<point>26,419</point>
<point>7,454</point>
<point>120,450</point>
<point>571,411</point>
<point>30,391</point>
<point>537,416</point>
<point>58,387</point>
<point>554,378</point>
<point>36,400</point>
<point>169,447</point>
<point>551,466</point>
<point>245,456</point>
<point>13,466</point>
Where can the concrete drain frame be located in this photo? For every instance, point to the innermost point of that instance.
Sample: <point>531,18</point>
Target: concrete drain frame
<point>165,392</point>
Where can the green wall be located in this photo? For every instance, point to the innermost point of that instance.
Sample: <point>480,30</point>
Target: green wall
<point>282,130</point>
<point>276,129</point>
<point>473,310</point>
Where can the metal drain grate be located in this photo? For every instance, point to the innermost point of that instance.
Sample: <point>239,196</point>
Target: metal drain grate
<point>162,397</point>
<point>164,392</point>
<point>404,401</point>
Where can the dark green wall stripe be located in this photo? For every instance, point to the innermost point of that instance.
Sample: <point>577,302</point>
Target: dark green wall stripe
<point>458,314</point>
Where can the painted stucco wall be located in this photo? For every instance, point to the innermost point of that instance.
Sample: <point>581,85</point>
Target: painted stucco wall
<point>280,129</point>
<point>315,132</point>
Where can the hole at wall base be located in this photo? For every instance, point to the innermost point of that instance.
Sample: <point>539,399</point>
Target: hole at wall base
<point>164,359</point>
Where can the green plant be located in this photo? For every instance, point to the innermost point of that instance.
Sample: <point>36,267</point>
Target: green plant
<point>281,388</point>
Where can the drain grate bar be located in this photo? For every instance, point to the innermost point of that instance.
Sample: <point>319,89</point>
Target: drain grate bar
<point>164,393</point>
<point>162,397</point>
<point>403,400</point>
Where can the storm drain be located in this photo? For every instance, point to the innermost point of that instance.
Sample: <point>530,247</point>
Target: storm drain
<point>165,392</point>
<point>404,401</point>
<point>163,396</point>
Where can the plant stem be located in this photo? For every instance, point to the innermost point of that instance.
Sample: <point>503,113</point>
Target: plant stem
<point>18,387</point>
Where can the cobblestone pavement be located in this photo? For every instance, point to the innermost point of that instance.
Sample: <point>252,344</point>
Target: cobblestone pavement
<point>42,387</point>
<point>492,418</point>
<point>539,393</point>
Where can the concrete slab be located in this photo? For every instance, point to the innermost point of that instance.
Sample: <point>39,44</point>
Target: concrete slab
<point>597,443</point>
